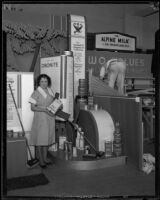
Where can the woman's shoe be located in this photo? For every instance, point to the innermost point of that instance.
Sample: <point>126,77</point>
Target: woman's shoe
<point>43,166</point>
<point>48,162</point>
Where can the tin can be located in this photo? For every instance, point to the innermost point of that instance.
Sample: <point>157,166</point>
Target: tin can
<point>118,151</point>
<point>10,133</point>
<point>70,147</point>
<point>108,148</point>
<point>117,136</point>
<point>117,140</point>
<point>68,53</point>
<point>117,145</point>
<point>87,148</point>
<point>66,146</point>
<point>62,139</point>
<point>96,107</point>
<point>15,134</point>
<point>74,152</point>
<point>86,107</point>
<point>20,134</point>
<point>66,156</point>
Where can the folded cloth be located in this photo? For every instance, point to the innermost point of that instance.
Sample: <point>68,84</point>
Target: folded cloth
<point>63,115</point>
<point>149,158</point>
<point>148,163</point>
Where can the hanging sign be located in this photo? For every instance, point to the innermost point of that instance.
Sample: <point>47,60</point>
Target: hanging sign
<point>138,65</point>
<point>77,44</point>
<point>115,41</point>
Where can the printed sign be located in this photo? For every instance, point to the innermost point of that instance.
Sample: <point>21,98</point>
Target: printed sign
<point>138,65</point>
<point>78,46</point>
<point>12,118</point>
<point>115,41</point>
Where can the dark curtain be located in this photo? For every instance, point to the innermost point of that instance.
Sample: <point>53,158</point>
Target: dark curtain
<point>155,59</point>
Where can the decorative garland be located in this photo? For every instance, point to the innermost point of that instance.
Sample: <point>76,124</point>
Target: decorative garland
<point>25,37</point>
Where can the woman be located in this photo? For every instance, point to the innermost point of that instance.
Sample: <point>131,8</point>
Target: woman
<point>115,70</point>
<point>43,125</point>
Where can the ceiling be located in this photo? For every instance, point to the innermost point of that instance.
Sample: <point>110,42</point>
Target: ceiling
<point>142,10</point>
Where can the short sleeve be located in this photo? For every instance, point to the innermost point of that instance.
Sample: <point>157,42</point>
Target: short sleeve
<point>33,98</point>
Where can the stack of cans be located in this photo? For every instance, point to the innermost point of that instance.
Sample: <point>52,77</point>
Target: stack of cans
<point>82,102</point>
<point>90,102</point>
<point>82,93</point>
<point>108,148</point>
<point>117,147</point>
<point>83,88</point>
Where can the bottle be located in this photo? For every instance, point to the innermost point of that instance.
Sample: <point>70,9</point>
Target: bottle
<point>81,141</point>
<point>78,140</point>
<point>117,128</point>
<point>117,147</point>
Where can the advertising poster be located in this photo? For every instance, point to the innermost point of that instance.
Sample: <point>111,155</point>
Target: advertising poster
<point>138,65</point>
<point>12,118</point>
<point>60,70</point>
<point>78,46</point>
<point>51,67</point>
<point>22,86</point>
<point>115,41</point>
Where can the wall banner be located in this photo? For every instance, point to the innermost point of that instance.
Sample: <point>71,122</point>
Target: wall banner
<point>115,41</point>
<point>77,44</point>
<point>138,65</point>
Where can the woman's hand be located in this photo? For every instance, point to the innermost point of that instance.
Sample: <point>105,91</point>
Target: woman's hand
<point>49,113</point>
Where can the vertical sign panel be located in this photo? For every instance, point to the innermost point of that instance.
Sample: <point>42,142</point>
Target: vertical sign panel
<point>77,44</point>
<point>60,70</point>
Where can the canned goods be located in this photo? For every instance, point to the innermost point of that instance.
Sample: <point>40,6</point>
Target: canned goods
<point>86,107</point>
<point>117,140</point>
<point>15,134</point>
<point>117,135</point>
<point>87,148</point>
<point>68,53</point>
<point>74,152</point>
<point>70,147</point>
<point>66,146</point>
<point>118,151</point>
<point>10,133</point>
<point>62,139</point>
<point>108,148</point>
<point>20,134</point>
<point>117,145</point>
<point>95,107</point>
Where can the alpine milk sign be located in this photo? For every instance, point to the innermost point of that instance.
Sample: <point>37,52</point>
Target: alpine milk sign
<point>115,41</point>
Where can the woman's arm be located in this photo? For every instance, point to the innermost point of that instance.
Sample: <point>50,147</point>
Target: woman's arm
<point>41,109</point>
<point>34,108</point>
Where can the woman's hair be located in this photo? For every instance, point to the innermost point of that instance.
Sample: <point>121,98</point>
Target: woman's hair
<point>43,76</point>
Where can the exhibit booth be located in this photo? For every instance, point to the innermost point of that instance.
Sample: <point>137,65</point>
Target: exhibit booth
<point>104,128</point>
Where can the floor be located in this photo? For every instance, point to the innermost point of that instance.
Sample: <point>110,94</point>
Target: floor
<point>114,181</point>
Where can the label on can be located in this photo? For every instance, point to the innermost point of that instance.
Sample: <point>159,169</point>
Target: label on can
<point>86,149</point>
<point>74,152</point>
<point>62,139</point>
<point>70,147</point>
<point>108,148</point>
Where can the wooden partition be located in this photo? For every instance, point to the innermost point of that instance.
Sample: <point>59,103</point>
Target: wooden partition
<point>128,112</point>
